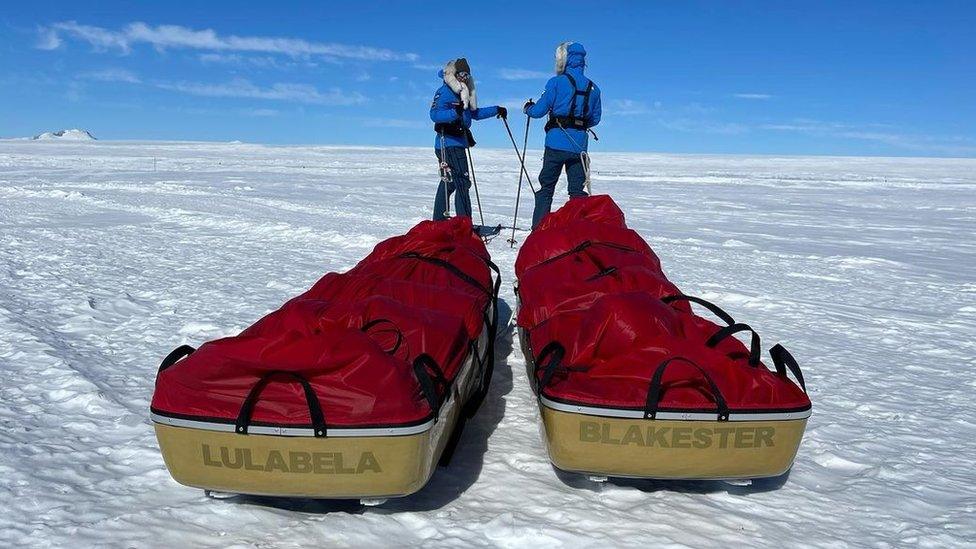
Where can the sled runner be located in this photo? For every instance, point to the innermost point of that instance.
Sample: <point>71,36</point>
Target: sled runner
<point>354,389</point>
<point>630,381</point>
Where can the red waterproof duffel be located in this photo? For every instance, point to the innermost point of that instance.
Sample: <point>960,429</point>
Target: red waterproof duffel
<point>632,382</point>
<point>350,390</point>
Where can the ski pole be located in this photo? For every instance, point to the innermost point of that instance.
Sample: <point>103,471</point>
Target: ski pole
<point>474,180</point>
<point>524,172</point>
<point>521,156</point>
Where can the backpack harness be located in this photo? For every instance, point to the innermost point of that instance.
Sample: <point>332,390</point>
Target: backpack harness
<point>571,120</point>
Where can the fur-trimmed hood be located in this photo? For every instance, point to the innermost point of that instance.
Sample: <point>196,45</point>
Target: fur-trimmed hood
<point>466,90</point>
<point>570,54</point>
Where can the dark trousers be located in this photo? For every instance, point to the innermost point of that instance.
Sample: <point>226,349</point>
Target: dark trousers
<point>457,161</point>
<point>552,166</point>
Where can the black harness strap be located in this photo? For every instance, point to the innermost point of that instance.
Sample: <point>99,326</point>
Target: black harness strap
<point>455,128</point>
<point>571,120</point>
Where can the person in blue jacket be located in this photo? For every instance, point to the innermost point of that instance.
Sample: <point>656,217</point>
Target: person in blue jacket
<point>572,102</point>
<point>455,105</point>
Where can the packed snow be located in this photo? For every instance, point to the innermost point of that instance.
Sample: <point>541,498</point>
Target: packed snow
<point>65,135</point>
<point>113,253</point>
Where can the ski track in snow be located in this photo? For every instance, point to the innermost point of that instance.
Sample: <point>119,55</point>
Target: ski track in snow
<point>863,267</point>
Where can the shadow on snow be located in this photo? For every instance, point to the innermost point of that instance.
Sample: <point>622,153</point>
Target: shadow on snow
<point>759,485</point>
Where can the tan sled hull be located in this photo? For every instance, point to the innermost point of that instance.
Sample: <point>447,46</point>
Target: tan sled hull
<point>335,467</point>
<point>670,449</point>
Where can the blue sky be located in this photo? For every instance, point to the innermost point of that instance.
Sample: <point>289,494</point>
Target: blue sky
<point>857,78</point>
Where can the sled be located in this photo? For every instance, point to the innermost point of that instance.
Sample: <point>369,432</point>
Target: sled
<point>629,381</point>
<point>317,401</point>
<point>625,442</point>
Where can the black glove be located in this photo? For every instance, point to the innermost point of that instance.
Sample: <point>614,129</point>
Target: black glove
<point>527,106</point>
<point>502,113</point>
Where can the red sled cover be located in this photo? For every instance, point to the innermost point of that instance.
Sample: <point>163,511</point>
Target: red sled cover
<point>606,327</point>
<point>377,346</point>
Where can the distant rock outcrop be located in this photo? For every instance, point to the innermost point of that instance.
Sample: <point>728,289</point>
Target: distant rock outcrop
<point>66,135</point>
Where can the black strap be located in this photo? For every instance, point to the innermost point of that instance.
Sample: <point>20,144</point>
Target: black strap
<point>570,120</point>
<point>584,245</point>
<point>498,278</point>
<point>715,309</point>
<point>577,91</point>
<point>486,364</point>
<point>455,128</point>
<point>586,101</point>
<point>431,379</point>
<point>755,346</point>
<point>174,356</point>
<point>602,273</point>
<point>556,351</point>
<point>783,359</point>
<point>314,408</point>
<point>572,104</point>
<point>654,390</point>
<point>395,329</point>
<point>453,269</point>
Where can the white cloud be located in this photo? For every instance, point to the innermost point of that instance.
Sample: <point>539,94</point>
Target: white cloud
<point>164,37</point>
<point>522,74</point>
<point>394,123</point>
<point>758,96</point>
<point>704,126</point>
<point>629,107</point>
<point>47,39</point>
<point>111,75</point>
<point>950,145</point>
<point>259,112</point>
<point>101,39</point>
<point>427,67</point>
<point>298,93</point>
<point>690,118</point>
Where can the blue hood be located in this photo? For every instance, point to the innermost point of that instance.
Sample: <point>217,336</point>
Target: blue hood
<point>576,56</point>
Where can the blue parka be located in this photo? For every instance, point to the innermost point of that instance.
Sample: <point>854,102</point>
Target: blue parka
<point>444,109</point>
<point>557,99</point>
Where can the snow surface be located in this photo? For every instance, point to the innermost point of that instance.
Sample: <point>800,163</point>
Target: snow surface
<point>863,267</point>
<point>65,135</point>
